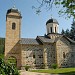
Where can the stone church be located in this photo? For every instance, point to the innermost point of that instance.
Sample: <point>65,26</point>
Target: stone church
<point>52,48</point>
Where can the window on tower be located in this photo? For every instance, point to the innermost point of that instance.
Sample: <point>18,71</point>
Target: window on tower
<point>55,30</point>
<point>51,29</point>
<point>13,26</point>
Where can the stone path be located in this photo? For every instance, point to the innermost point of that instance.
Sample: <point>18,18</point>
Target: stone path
<point>34,73</point>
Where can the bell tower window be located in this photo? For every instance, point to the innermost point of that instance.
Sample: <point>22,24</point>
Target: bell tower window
<point>51,29</point>
<point>55,30</point>
<point>13,26</point>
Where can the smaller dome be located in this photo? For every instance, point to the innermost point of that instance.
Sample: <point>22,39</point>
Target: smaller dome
<point>52,21</point>
<point>15,10</point>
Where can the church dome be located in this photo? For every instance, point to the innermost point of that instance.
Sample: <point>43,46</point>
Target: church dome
<point>14,10</point>
<point>52,21</point>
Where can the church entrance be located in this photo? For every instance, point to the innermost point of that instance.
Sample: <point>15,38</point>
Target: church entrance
<point>12,60</point>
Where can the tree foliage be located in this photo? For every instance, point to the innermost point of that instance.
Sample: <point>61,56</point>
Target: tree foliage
<point>63,32</point>
<point>2,45</point>
<point>1,49</point>
<point>67,32</point>
<point>68,6</point>
<point>7,69</point>
<point>70,33</point>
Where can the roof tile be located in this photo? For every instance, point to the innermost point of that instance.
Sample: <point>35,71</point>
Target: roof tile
<point>28,41</point>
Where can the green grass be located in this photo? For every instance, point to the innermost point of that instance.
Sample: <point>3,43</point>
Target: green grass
<point>68,71</point>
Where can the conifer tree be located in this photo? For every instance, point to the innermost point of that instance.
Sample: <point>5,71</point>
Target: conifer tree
<point>72,31</point>
<point>67,33</point>
<point>63,32</point>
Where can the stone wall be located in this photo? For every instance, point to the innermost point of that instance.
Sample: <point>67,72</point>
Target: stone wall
<point>73,54</point>
<point>49,55</point>
<point>35,56</point>
<point>64,49</point>
<point>32,55</point>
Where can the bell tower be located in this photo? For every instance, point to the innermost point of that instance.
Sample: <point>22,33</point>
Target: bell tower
<point>52,26</point>
<point>13,28</point>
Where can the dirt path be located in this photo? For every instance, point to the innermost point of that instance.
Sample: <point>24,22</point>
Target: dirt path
<point>34,73</point>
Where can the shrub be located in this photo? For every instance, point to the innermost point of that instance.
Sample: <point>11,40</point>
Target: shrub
<point>54,66</point>
<point>7,69</point>
<point>27,67</point>
<point>2,56</point>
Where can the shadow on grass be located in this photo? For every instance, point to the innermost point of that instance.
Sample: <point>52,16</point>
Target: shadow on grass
<point>68,73</point>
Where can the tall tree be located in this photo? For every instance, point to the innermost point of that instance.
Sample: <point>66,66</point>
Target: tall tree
<point>67,33</point>
<point>63,32</point>
<point>72,31</point>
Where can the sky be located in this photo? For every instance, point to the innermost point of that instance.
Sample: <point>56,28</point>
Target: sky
<point>32,24</point>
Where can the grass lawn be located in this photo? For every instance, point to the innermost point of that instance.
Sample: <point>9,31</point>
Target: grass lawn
<point>68,71</point>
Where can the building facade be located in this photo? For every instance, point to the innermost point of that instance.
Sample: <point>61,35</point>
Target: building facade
<point>46,50</point>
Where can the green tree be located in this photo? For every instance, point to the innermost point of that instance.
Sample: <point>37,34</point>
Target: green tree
<point>63,32</point>
<point>2,45</point>
<point>7,69</point>
<point>67,33</point>
<point>68,6</point>
<point>1,49</point>
<point>72,31</point>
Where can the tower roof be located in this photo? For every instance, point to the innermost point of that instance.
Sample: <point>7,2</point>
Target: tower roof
<point>52,21</point>
<point>14,10</point>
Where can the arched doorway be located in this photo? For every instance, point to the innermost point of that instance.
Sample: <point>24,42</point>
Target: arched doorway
<point>12,60</point>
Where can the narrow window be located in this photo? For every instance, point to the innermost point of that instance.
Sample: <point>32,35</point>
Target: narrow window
<point>51,29</point>
<point>33,56</point>
<point>55,29</point>
<point>63,54</point>
<point>72,55</point>
<point>13,26</point>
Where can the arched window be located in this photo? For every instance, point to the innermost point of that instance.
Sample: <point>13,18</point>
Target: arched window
<point>13,26</point>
